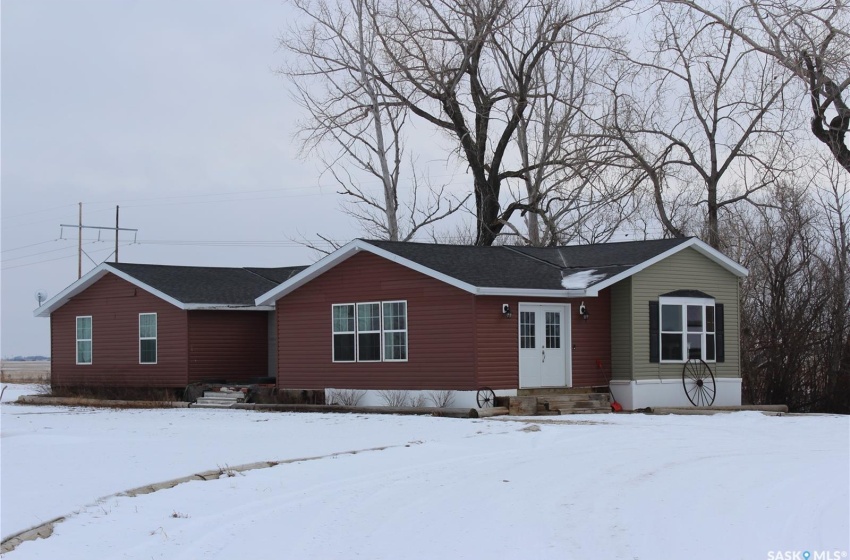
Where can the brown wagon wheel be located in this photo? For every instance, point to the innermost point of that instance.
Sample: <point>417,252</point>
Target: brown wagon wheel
<point>698,382</point>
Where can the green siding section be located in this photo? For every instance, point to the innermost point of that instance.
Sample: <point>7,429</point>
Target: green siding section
<point>621,331</point>
<point>686,270</point>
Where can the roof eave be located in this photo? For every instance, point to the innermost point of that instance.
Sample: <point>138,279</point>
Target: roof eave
<point>526,292</point>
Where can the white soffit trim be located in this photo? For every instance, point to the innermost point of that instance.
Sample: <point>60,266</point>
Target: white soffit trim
<point>520,292</point>
<point>345,252</point>
<point>696,244</point>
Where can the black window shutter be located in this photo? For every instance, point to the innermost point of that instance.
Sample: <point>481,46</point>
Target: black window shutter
<point>654,343</point>
<point>718,329</point>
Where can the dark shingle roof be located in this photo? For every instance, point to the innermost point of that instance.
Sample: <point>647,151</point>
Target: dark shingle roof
<point>209,284</point>
<point>529,267</point>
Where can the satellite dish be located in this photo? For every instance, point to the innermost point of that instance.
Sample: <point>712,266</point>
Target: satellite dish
<point>41,296</point>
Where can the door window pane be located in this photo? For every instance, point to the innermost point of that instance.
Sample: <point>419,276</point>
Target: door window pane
<point>526,329</point>
<point>553,329</point>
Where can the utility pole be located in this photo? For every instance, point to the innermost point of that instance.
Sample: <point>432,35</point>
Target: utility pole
<point>80,227</point>
<point>116,233</point>
<point>80,244</point>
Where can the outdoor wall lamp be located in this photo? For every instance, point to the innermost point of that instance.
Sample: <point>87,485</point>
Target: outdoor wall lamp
<point>506,310</point>
<point>582,310</point>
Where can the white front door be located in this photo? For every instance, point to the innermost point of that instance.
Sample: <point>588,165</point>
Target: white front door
<point>544,345</point>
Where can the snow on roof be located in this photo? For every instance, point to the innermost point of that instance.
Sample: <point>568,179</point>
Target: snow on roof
<point>581,280</point>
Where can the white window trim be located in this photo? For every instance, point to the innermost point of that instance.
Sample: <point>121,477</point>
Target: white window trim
<point>154,338</point>
<point>356,332</point>
<point>78,340</point>
<point>404,330</point>
<point>380,331</point>
<point>333,332</point>
<point>684,302</point>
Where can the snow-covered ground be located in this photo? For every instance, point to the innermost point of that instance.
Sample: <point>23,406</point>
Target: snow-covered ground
<point>730,486</point>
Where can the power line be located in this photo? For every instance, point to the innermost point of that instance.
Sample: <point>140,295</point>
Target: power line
<point>28,246</point>
<point>58,258</point>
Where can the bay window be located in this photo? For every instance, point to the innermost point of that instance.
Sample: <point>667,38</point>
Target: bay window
<point>687,329</point>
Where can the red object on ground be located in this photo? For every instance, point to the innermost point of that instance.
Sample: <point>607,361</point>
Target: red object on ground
<point>616,407</point>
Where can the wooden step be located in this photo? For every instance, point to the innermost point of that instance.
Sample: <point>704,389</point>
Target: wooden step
<point>584,410</point>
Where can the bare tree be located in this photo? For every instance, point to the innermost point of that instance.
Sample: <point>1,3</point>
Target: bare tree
<point>811,39</point>
<point>467,68</point>
<point>350,114</point>
<point>584,198</point>
<point>700,118</point>
<point>795,345</point>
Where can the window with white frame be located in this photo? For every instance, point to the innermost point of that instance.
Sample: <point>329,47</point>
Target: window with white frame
<point>687,329</point>
<point>369,332</point>
<point>147,338</point>
<point>395,331</point>
<point>84,338</point>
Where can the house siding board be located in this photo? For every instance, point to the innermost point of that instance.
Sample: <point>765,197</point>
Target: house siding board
<point>686,270</point>
<point>114,305</point>
<point>227,345</point>
<point>440,330</point>
<point>621,332</point>
<point>592,342</point>
<point>497,341</point>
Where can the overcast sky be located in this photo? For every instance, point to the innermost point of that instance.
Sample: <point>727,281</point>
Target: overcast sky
<point>169,108</point>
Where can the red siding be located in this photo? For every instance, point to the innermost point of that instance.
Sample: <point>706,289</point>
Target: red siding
<point>592,341</point>
<point>114,305</point>
<point>440,330</point>
<point>498,346</point>
<point>229,345</point>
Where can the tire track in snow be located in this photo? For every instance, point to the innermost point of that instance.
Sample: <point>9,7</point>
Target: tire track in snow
<point>45,530</point>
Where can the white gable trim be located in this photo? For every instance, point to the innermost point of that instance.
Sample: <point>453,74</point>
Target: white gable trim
<point>62,297</point>
<point>693,243</point>
<point>101,270</point>
<point>93,276</point>
<point>344,253</point>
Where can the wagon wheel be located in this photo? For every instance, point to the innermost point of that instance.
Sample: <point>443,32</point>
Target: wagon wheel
<point>698,382</point>
<point>485,397</point>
